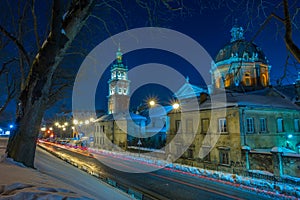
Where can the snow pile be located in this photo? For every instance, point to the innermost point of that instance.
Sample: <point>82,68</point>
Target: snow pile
<point>29,191</point>
<point>19,182</point>
<point>58,182</point>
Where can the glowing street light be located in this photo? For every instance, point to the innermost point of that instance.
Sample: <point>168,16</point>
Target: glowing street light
<point>56,124</point>
<point>43,129</point>
<point>87,122</point>
<point>92,119</point>
<point>152,103</point>
<point>75,121</point>
<point>175,106</point>
<point>66,123</point>
<point>51,129</point>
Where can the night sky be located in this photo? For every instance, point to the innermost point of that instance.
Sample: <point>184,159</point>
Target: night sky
<point>210,27</point>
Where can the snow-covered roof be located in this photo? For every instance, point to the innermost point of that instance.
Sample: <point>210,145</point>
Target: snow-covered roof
<point>121,116</point>
<point>188,91</point>
<point>262,98</point>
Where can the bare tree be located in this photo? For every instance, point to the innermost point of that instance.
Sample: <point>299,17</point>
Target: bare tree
<point>65,25</point>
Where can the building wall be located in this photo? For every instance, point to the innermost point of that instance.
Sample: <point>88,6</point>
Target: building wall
<point>271,137</point>
<point>228,142</point>
<point>236,136</point>
<point>108,133</point>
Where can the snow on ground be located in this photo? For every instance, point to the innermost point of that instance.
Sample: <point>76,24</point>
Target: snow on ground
<point>19,182</point>
<point>269,188</point>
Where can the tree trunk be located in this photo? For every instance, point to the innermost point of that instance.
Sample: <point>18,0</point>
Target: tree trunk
<point>34,97</point>
<point>291,46</point>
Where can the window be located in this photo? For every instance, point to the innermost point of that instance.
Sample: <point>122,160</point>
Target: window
<point>262,125</point>
<point>177,126</point>
<point>190,153</point>
<point>296,125</point>
<point>222,125</point>
<point>280,127</point>
<point>205,153</point>
<point>102,129</point>
<point>228,80</point>
<point>250,125</point>
<point>120,90</point>
<point>263,80</point>
<point>204,125</point>
<point>224,156</point>
<point>247,79</point>
<point>189,125</point>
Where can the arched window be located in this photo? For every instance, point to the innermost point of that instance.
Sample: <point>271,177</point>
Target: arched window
<point>247,79</point>
<point>264,80</point>
<point>228,80</point>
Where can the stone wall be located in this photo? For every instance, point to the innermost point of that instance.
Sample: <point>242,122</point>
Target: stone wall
<point>291,165</point>
<point>261,161</point>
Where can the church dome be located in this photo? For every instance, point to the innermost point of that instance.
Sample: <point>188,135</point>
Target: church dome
<point>241,49</point>
<point>240,65</point>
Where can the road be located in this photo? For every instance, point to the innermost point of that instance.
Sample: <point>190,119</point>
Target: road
<point>86,184</point>
<point>162,183</point>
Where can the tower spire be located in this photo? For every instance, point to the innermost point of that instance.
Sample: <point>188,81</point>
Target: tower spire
<point>119,54</point>
<point>237,33</point>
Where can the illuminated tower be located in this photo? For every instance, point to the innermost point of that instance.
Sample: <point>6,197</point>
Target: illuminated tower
<point>118,94</point>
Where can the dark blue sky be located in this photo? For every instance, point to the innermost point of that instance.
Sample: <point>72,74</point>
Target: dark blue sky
<point>210,27</point>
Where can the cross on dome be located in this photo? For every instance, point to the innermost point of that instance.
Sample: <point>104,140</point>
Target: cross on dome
<point>237,33</point>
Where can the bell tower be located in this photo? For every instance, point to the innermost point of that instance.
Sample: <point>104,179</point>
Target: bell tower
<point>118,94</point>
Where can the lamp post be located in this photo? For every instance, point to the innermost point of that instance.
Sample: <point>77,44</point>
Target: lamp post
<point>139,144</point>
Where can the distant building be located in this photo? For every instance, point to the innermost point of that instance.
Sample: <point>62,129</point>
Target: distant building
<point>113,130</point>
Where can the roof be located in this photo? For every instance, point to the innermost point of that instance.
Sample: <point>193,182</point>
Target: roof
<point>238,49</point>
<point>121,116</point>
<point>265,98</point>
<point>288,91</point>
<point>188,91</point>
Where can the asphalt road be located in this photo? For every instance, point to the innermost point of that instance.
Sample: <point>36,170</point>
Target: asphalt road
<point>159,184</point>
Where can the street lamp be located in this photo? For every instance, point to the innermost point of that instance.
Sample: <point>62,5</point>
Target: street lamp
<point>175,106</point>
<point>75,121</point>
<point>152,103</point>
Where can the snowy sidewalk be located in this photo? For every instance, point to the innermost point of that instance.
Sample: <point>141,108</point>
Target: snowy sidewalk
<point>62,182</point>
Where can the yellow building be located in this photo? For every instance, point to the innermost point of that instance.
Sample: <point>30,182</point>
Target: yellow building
<point>243,118</point>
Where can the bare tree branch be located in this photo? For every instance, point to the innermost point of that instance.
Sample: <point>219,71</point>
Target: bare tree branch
<point>35,26</point>
<point>16,42</point>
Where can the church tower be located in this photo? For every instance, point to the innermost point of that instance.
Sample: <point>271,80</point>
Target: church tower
<point>118,94</point>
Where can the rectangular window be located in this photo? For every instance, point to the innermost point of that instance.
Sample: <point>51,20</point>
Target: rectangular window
<point>178,126</point>
<point>296,125</point>
<point>205,153</point>
<point>262,125</point>
<point>190,153</point>
<point>222,125</point>
<point>250,125</point>
<point>102,129</point>
<point>204,125</point>
<point>189,125</point>
<point>280,127</point>
<point>224,156</point>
